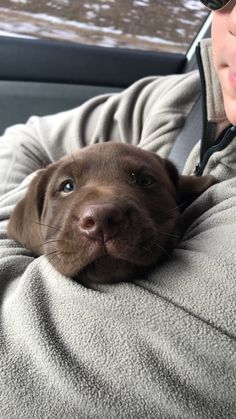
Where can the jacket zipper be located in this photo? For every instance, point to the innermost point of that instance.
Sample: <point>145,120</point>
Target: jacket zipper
<point>228,136</point>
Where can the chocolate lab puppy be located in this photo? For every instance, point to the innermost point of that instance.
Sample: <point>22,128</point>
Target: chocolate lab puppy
<point>106,213</point>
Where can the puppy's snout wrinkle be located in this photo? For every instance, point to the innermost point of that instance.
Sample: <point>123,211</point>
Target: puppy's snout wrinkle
<point>100,221</point>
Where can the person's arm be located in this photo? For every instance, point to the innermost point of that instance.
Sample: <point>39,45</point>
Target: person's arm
<point>149,113</point>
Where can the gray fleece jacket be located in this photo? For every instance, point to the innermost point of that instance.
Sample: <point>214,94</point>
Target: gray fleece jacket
<point>157,347</point>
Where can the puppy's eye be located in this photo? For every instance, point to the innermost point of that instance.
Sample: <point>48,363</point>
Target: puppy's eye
<point>142,180</point>
<point>145,180</point>
<point>68,186</point>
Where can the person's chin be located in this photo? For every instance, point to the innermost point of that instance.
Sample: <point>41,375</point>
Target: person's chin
<point>228,84</point>
<point>230,108</point>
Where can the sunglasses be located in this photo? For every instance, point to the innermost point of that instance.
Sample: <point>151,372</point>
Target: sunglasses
<point>215,5</point>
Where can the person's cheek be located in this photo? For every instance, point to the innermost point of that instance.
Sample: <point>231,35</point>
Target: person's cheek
<point>222,51</point>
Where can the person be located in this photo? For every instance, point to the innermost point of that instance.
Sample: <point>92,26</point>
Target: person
<point>162,346</point>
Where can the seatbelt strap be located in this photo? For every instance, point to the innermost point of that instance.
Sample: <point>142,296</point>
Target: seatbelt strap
<point>189,135</point>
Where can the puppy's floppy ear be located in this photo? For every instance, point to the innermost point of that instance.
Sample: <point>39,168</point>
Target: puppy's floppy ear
<point>188,187</point>
<point>24,225</point>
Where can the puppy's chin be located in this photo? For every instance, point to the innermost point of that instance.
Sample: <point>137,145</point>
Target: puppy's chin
<point>109,270</point>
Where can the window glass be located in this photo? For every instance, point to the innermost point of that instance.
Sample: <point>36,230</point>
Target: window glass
<point>158,25</point>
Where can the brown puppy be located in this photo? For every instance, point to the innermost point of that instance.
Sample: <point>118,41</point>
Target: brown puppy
<point>105,213</point>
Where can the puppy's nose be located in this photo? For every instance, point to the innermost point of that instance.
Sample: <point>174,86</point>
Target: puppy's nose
<point>100,221</point>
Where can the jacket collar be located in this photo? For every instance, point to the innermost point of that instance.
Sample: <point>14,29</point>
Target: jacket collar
<point>217,132</point>
<point>215,112</point>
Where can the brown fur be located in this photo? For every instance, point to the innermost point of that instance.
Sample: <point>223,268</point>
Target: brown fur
<point>121,218</point>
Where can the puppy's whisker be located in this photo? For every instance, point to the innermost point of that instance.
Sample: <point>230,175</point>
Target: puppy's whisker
<point>47,264</point>
<point>150,248</point>
<point>136,246</point>
<point>168,234</point>
<point>58,228</point>
<point>163,249</point>
<point>53,241</point>
<point>178,206</point>
<point>156,242</point>
<point>54,252</point>
<point>48,260</point>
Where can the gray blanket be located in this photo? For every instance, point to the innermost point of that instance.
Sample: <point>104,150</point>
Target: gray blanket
<point>162,346</point>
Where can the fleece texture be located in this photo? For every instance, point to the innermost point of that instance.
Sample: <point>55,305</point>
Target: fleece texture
<point>161,346</point>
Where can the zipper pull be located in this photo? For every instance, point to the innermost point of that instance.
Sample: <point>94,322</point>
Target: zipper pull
<point>223,143</point>
<point>198,170</point>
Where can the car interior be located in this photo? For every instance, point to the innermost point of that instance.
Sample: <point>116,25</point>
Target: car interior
<point>41,77</point>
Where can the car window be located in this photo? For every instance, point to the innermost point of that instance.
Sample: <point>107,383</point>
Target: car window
<point>163,25</point>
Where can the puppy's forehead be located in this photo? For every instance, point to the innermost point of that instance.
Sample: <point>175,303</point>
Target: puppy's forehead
<point>113,156</point>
